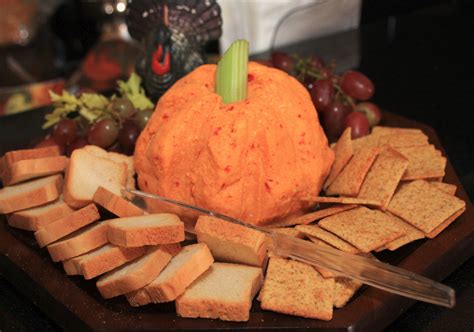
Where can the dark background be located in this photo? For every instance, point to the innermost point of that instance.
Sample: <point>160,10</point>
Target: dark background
<point>419,55</point>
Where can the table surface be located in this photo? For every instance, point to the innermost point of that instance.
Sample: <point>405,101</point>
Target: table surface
<point>421,64</point>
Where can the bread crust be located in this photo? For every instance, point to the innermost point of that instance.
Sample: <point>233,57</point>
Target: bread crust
<point>117,283</point>
<point>116,204</point>
<point>23,170</point>
<point>31,221</point>
<point>79,242</point>
<point>66,225</point>
<point>16,201</point>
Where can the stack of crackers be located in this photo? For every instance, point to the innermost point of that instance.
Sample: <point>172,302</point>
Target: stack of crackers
<point>387,191</point>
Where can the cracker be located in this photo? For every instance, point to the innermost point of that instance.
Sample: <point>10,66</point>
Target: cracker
<point>403,140</point>
<point>383,177</point>
<point>363,228</point>
<point>349,181</point>
<point>333,240</point>
<point>343,153</point>
<point>295,288</point>
<point>435,232</point>
<point>424,162</point>
<point>320,214</point>
<point>411,234</point>
<point>381,130</point>
<point>445,187</point>
<point>342,200</point>
<point>364,142</point>
<point>423,206</point>
<point>344,289</point>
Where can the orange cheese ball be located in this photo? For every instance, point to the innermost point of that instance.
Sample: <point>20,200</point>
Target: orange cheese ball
<point>251,160</point>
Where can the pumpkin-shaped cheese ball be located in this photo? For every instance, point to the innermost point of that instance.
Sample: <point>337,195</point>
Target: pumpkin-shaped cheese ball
<point>251,160</point>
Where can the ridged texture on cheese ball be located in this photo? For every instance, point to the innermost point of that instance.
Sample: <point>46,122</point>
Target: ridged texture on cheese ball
<point>252,159</point>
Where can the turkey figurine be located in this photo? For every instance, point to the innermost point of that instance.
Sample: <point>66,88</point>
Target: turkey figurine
<point>172,34</point>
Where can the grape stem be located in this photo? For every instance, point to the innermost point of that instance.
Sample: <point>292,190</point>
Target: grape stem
<point>303,69</point>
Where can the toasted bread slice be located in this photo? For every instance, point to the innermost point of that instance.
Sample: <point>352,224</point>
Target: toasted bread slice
<point>79,242</point>
<point>232,243</point>
<point>30,194</point>
<point>34,218</point>
<point>183,269</point>
<point>138,273</point>
<point>116,204</point>
<point>86,172</point>
<point>66,225</point>
<point>72,267</point>
<point>118,158</point>
<point>23,170</point>
<point>225,291</point>
<point>107,258</point>
<point>17,155</point>
<point>152,229</point>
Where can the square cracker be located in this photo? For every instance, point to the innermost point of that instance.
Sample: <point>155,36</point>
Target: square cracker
<point>424,162</point>
<point>342,200</point>
<point>344,289</point>
<point>349,181</point>
<point>295,288</point>
<point>445,187</point>
<point>365,229</point>
<point>319,214</point>
<point>343,153</point>
<point>383,177</point>
<point>435,232</point>
<point>328,237</point>
<point>423,206</point>
<point>403,140</point>
<point>382,130</point>
<point>365,142</point>
<point>411,234</point>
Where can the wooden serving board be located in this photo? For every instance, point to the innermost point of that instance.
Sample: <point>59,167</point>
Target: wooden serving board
<point>74,303</point>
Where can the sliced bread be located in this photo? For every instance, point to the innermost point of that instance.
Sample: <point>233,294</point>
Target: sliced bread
<point>230,242</point>
<point>30,194</point>
<point>136,274</point>
<point>66,225</point>
<point>116,204</point>
<point>225,291</point>
<point>295,288</point>
<point>184,268</point>
<point>79,242</point>
<point>118,158</point>
<point>17,155</point>
<point>145,230</point>
<point>34,218</point>
<point>72,267</point>
<point>107,258</point>
<point>28,169</point>
<point>86,172</point>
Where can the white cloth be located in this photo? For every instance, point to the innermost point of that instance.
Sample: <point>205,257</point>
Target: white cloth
<point>256,20</point>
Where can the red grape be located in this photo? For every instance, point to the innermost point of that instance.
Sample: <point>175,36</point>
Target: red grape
<point>265,62</point>
<point>142,117</point>
<point>128,136</point>
<point>103,133</point>
<point>282,61</point>
<point>65,131</point>
<point>49,141</point>
<point>333,120</point>
<point>371,111</point>
<point>357,85</point>
<point>123,107</point>
<point>78,143</point>
<point>325,72</point>
<point>115,148</point>
<point>322,94</point>
<point>359,124</point>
